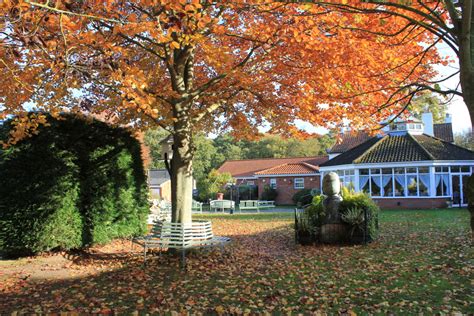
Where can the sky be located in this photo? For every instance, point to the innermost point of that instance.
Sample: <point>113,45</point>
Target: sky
<point>457,107</point>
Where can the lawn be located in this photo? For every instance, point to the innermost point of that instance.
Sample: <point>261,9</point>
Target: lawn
<point>422,262</point>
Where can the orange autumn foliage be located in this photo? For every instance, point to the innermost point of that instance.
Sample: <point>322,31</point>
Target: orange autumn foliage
<point>224,65</point>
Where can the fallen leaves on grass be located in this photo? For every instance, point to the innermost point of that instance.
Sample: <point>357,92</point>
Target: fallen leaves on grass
<point>411,269</point>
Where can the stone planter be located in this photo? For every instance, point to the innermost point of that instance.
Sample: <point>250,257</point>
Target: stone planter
<point>334,233</point>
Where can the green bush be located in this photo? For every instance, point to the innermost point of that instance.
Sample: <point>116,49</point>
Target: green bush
<point>269,193</point>
<point>361,202</point>
<point>352,210</point>
<point>78,182</point>
<point>248,192</point>
<point>303,197</point>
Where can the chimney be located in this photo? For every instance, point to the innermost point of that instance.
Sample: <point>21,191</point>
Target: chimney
<point>448,118</point>
<point>427,119</point>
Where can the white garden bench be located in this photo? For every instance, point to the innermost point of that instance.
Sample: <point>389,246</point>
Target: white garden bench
<point>180,236</point>
<point>160,211</point>
<point>255,205</point>
<point>197,206</point>
<point>221,205</point>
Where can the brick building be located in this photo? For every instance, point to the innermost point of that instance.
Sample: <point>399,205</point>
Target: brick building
<point>286,175</point>
<point>159,182</point>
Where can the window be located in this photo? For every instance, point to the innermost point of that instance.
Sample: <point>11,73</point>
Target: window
<point>442,181</point>
<point>394,182</point>
<point>375,186</point>
<point>387,183</point>
<point>273,183</point>
<point>423,181</point>
<point>465,169</point>
<point>299,183</point>
<point>412,185</point>
<point>250,182</point>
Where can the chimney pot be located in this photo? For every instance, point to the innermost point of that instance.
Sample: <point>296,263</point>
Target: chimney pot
<point>427,119</point>
<point>448,118</point>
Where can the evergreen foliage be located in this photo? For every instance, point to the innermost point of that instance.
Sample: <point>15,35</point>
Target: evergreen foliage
<point>303,197</point>
<point>78,182</point>
<point>361,202</point>
<point>269,193</point>
<point>353,209</point>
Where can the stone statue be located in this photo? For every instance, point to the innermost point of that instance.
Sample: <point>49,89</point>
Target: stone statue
<point>332,190</point>
<point>333,229</point>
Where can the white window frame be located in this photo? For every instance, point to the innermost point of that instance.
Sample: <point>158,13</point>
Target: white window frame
<point>299,181</point>
<point>273,183</point>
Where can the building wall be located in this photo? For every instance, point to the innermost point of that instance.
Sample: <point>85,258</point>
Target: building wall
<point>166,191</point>
<point>285,187</point>
<point>411,203</point>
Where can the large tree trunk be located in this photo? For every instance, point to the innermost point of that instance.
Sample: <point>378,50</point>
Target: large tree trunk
<point>466,56</point>
<point>182,170</point>
<point>467,85</point>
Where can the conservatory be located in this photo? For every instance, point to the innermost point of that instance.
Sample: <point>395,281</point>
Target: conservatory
<point>406,169</point>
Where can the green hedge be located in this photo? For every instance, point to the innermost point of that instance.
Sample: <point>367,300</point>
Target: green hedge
<point>77,183</point>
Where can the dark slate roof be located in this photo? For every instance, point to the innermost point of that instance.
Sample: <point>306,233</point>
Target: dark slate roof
<point>348,141</point>
<point>401,148</point>
<point>444,131</point>
<point>349,156</point>
<point>158,176</point>
<point>442,150</point>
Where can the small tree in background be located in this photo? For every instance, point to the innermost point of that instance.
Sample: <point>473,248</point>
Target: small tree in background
<point>465,140</point>
<point>213,184</point>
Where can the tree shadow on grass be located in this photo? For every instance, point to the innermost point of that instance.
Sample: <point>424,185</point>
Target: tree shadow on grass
<point>261,269</point>
<point>124,284</point>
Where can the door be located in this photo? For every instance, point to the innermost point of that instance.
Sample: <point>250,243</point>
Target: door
<point>464,181</point>
<point>457,192</point>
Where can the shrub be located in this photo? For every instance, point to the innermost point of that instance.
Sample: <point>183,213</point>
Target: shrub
<point>313,215</point>
<point>361,202</point>
<point>38,200</point>
<point>214,183</point>
<point>248,192</point>
<point>78,182</point>
<point>303,197</point>
<point>269,193</point>
<point>353,209</point>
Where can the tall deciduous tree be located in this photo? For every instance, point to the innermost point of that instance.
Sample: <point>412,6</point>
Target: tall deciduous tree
<point>191,65</point>
<point>427,101</point>
<point>449,21</point>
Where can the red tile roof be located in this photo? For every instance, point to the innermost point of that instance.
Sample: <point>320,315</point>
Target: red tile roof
<point>249,167</point>
<point>349,141</point>
<point>290,168</point>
